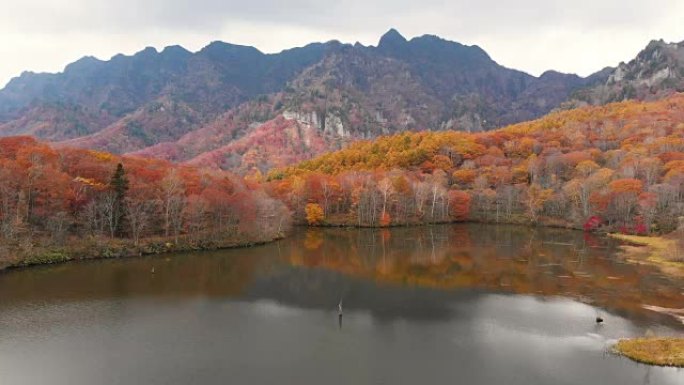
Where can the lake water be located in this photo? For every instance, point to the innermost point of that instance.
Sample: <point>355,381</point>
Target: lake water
<point>466,304</point>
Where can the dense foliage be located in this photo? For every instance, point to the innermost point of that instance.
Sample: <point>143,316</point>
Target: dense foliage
<point>619,166</point>
<point>50,196</point>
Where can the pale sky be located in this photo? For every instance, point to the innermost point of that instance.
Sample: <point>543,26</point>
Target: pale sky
<point>579,36</point>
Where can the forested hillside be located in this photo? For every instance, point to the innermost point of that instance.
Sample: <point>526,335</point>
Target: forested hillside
<point>224,105</point>
<point>77,202</point>
<point>615,167</point>
<point>153,101</point>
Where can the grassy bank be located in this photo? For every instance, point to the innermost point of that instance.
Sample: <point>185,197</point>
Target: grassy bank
<point>665,252</point>
<point>12,256</point>
<point>653,351</point>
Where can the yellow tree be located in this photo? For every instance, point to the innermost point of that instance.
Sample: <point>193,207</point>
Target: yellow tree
<point>536,197</point>
<point>314,213</point>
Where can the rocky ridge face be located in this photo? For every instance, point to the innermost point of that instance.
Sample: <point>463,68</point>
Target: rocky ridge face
<point>216,103</point>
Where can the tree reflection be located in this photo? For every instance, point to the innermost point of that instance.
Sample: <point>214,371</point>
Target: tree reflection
<point>318,267</point>
<point>508,259</point>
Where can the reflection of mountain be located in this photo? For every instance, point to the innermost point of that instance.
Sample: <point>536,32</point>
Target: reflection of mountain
<point>391,273</point>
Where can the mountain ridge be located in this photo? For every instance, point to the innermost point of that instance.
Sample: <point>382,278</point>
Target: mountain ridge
<point>152,102</point>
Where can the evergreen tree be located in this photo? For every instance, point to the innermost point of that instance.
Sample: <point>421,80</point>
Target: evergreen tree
<point>119,185</point>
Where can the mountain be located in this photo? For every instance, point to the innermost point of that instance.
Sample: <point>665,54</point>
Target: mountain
<point>148,96</point>
<point>221,103</point>
<point>657,71</point>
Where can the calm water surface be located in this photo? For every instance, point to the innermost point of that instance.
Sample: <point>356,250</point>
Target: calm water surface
<point>468,304</point>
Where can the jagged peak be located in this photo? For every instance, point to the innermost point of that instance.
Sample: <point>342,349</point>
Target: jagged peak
<point>432,37</point>
<point>147,51</point>
<point>82,63</point>
<point>221,46</point>
<point>175,49</point>
<point>656,42</point>
<point>450,47</point>
<point>550,73</point>
<point>87,59</point>
<point>391,38</point>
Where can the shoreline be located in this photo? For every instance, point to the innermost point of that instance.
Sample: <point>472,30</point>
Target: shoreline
<point>653,250</point>
<point>524,223</point>
<point>660,252</point>
<point>105,248</point>
<point>100,249</point>
<point>654,351</point>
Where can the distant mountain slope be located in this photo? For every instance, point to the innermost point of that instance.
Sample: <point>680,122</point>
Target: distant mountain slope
<point>57,121</point>
<point>454,82</point>
<point>424,83</point>
<point>657,71</point>
<point>205,84</point>
<point>179,105</point>
<point>616,135</point>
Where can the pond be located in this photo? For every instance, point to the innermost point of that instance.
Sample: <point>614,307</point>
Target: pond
<point>470,304</point>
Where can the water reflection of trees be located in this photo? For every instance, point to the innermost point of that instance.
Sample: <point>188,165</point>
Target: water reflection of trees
<point>210,274</point>
<point>501,258</point>
<point>504,259</point>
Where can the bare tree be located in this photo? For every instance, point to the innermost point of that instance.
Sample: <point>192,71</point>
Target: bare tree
<point>109,212</point>
<point>90,217</point>
<point>175,209</point>
<point>9,208</point>
<point>272,218</point>
<point>196,216</point>
<point>385,188</point>
<point>138,213</point>
<point>420,194</point>
<point>438,190</point>
<point>172,200</point>
<point>58,225</point>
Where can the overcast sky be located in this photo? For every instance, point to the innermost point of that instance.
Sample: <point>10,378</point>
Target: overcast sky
<point>579,36</point>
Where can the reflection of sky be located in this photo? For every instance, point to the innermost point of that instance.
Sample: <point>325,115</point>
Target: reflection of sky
<point>268,314</point>
<point>495,339</point>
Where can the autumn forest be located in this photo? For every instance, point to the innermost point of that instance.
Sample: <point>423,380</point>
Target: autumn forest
<point>50,197</point>
<point>618,167</point>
